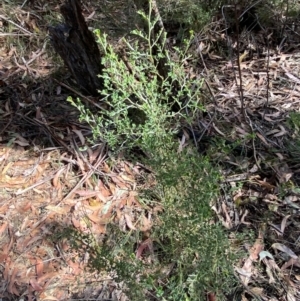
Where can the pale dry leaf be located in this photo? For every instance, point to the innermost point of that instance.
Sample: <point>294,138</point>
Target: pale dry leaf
<point>272,131</point>
<point>12,280</point>
<point>290,200</point>
<point>39,267</point>
<point>218,130</point>
<point>58,210</point>
<point>265,184</point>
<point>283,223</point>
<point>21,141</point>
<point>86,193</point>
<point>254,169</point>
<point>244,298</point>
<point>5,251</point>
<point>6,168</point>
<point>38,114</point>
<point>290,296</point>
<point>13,289</point>
<point>243,218</point>
<point>262,138</point>
<point>127,166</point>
<point>95,217</point>
<point>237,195</point>
<point>228,95</point>
<point>93,155</point>
<point>32,240</point>
<point>101,197</point>
<point>241,131</point>
<point>287,105</point>
<point>297,277</point>
<point>288,280</point>
<point>117,180</point>
<point>201,47</point>
<point>291,76</point>
<point>83,224</point>
<point>181,144</point>
<point>127,178</point>
<point>55,180</point>
<point>146,244</point>
<point>80,136</point>
<point>81,165</point>
<point>75,222</point>
<point>58,90</point>
<point>45,277</point>
<point>129,222</point>
<point>106,207</point>
<point>243,272</point>
<point>284,249</point>
<point>270,274</point>
<point>106,168</point>
<point>49,298</point>
<point>104,190</point>
<point>254,253</point>
<point>221,218</point>
<point>260,81</point>
<point>281,133</point>
<point>146,223</point>
<point>213,56</point>
<point>3,227</point>
<point>90,16</point>
<point>280,156</point>
<point>75,266</point>
<point>227,217</point>
<point>272,264</point>
<point>271,197</point>
<point>35,285</point>
<point>249,86</point>
<point>291,262</point>
<point>258,291</point>
<point>246,271</point>
<point>99,229</point>
<point>7,269</point>
<point>132,199</point>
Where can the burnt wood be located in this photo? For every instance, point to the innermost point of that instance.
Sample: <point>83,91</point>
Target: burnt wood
<point>76,45</point>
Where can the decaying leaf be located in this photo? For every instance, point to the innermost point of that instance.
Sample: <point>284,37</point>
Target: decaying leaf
<point>285,249</point>
<point>129,222</point>
<point>292,262</point>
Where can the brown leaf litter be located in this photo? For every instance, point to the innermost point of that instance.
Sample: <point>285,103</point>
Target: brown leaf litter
<point>33,210</point>
<point>44,189</point>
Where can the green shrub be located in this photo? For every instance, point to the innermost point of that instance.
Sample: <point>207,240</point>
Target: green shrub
<point>141,117</point>
<point>194,14</point>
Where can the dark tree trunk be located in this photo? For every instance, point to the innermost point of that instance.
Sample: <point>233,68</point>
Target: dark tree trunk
<point>78,48</point>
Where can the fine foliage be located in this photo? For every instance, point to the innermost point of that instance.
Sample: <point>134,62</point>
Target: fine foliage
<point>141,121</point>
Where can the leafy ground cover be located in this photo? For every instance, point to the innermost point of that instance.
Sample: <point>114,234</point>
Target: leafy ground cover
<point>55,184</point>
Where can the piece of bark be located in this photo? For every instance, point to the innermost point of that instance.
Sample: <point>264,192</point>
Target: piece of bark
<point>77,47</point>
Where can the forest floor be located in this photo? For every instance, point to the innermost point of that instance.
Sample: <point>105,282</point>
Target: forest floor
<point>47,164</point>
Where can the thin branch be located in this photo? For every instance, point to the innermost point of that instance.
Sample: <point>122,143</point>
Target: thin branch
<point>15,34</point>
<point>15,24</point>
<point>240,84</point>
